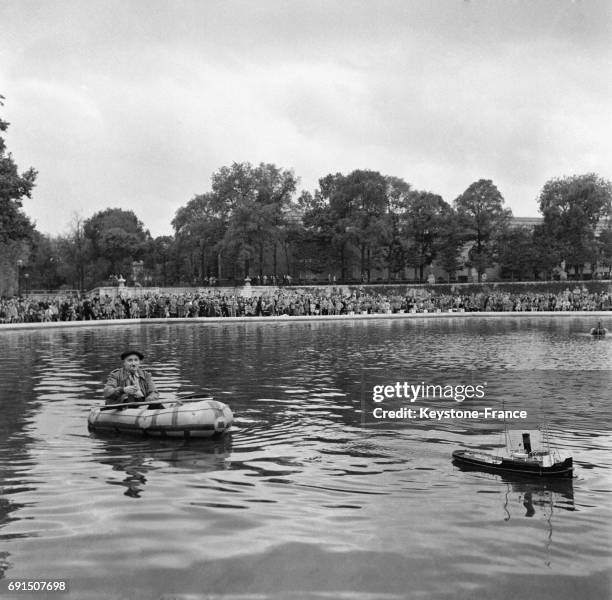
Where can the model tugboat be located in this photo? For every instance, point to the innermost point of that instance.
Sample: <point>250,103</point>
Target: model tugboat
<point>524,461</point>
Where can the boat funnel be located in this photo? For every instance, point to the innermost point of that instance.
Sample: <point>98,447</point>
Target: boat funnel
<point>527,443</point>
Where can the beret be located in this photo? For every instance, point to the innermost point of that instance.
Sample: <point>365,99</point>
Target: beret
<point>127,353</point>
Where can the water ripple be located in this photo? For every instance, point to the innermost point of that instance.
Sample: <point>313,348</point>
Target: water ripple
<point>307,476</point>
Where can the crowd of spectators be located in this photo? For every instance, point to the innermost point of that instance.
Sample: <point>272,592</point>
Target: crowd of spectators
<point>290,302</point>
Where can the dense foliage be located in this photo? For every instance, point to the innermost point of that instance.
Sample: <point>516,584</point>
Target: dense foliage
<point>358,227</point>
<point>16,230</point>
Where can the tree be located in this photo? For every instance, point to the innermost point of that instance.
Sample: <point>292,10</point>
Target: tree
<point>199,229</point>
<point>252,201</point>
<point>517,254</point>
<point>546,257</point>
<point>14,187</point>
<point>77,248</point>
<point>333,213</point>
<point>116,237</point>
<point>16,230</point>
<point>352,214</point>
<point>161,252</point>
<point>366,195</point>
<point>426,218</point>
<point>482,219</point>
<point>605,247</point>
<point>395,255</point>
<point>572,208</point>
<point>319,228</point>
<point>293,238</point>
<point>46,261</point>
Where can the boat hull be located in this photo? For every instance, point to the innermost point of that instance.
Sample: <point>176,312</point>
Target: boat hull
<point>203,419</point>
<point>531,468</point>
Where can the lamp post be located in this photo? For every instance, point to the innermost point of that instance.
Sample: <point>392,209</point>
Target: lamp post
<point>51,275</point>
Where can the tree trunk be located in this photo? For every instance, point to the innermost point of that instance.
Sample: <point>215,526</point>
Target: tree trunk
<point>287,259</point>
<point>363,267</point>
<point>261,259</point>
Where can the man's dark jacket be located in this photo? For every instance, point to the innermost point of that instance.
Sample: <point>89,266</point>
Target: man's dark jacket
<point>121,378</point>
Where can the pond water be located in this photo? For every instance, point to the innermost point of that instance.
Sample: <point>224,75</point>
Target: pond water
<point>309,496</point>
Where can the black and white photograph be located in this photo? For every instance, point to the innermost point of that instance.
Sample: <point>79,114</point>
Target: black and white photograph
<point>305,300</point>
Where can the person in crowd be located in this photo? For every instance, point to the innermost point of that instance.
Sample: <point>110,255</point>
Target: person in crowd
<point>286,301</point>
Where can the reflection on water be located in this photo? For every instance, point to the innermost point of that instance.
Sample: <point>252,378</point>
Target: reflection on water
<point>308,481</point>
<point>528,497</point>
<point>528,491</point>
<point>135,459</point>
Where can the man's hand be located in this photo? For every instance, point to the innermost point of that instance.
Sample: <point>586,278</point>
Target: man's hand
<point>132,390</point>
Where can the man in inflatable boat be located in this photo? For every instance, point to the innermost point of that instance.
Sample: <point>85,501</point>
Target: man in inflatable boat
<point>131,383</point>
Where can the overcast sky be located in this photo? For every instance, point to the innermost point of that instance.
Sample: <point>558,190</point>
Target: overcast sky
<point>135,103</point>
